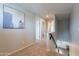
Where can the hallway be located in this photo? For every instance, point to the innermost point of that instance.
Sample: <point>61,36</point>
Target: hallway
<point>30,23</point>
<point>37,49</point>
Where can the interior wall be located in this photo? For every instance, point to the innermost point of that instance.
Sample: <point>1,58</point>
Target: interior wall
<point>74,30</point>
<point>13,39</point>
<point>53,25</point>
<point>62,27</point>
<point>1,15</point>
<point>37,29</point>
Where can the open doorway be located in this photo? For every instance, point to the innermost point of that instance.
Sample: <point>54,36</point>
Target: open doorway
<point>41,31</point>
<point>43,28</point>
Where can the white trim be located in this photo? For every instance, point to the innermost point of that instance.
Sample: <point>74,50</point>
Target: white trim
<point>7,54</point>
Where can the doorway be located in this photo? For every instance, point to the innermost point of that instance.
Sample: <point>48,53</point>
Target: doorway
<point>41,32</point>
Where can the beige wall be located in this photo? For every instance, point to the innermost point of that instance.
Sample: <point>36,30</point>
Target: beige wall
<point>13,39</point>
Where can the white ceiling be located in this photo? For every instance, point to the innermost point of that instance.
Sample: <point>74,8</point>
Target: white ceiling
<point>44,9</point>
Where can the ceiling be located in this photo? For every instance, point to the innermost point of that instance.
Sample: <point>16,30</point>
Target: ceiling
<point>46,10</point>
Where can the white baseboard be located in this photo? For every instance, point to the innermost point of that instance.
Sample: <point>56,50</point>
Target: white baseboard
<point>7,54</point>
